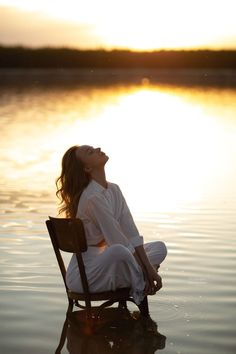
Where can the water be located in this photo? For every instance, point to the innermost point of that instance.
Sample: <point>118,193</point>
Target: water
<point>172,150</point>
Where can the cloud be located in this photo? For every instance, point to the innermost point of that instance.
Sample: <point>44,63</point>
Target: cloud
<point>36,29</point>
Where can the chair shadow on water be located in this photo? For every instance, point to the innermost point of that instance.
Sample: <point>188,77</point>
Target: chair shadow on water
<point>118,331</point>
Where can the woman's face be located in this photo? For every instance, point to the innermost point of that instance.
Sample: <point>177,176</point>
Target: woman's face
<point>91,157</point>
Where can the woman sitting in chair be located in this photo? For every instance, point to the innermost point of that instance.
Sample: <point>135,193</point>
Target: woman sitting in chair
<point>116,256</point>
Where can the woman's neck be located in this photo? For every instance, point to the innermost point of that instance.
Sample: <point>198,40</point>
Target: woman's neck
<point>100,177</point>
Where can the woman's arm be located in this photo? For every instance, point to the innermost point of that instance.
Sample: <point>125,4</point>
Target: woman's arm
<point>153,279</point>
<point>127,223</point>
<point>98,210</point>
<point>100,213</point>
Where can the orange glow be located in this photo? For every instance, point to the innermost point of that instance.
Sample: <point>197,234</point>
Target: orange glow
<point>143,25</point>
<point>174,144</point>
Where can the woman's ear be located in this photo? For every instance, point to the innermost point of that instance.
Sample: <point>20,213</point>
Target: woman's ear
<point>87,169</point>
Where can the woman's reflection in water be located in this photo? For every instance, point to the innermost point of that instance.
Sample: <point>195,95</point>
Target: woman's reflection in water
<point>118,333</point>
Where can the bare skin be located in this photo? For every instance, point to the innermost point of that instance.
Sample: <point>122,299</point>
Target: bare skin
<point>94,161</point>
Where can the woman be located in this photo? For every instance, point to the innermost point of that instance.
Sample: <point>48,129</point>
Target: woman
<point>116,256</point>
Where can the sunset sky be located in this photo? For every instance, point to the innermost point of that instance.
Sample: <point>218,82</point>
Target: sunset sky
<point>133,24</point>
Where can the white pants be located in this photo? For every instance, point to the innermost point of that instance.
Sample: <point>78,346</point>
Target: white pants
<point>110,268</point>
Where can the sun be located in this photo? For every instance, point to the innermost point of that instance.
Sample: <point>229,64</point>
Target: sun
<point>150,24</point>
<point>144,25</point>
<point>160,25</point>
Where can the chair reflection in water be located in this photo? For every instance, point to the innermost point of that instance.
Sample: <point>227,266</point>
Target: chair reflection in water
<point>122,335</point>
<point>68,235</point>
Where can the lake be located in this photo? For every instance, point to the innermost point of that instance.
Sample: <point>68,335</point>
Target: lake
<point>171,141</point>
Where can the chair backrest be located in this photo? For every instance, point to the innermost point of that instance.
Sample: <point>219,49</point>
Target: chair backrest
<point>68,235</point>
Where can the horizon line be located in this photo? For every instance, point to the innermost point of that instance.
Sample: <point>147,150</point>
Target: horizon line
<point>123,49</point>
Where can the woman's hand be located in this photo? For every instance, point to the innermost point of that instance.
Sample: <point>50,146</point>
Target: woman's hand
<point>153,281</point>
<point>152,278</point>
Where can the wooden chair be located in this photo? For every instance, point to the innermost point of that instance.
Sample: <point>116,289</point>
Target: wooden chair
<point>68,235</point>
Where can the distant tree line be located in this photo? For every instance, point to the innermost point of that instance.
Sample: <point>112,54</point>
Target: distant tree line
<point>21,57</point>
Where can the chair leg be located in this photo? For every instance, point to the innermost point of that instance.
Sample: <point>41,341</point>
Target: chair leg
<point>89,313</point>
<point>63,337</point>
<point>122,305</point>
<point>70,306</point>
<point>143,307</point>
<point>103,306</point>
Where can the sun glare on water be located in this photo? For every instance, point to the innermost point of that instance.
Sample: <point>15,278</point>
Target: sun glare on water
<point>170,154</point>
<point>166,149</point>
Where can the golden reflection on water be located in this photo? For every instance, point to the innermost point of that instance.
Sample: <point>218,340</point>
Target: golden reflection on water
<point>167,146</point>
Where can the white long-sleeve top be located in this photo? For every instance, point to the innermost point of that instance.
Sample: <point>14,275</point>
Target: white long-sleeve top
<point>106,216</point>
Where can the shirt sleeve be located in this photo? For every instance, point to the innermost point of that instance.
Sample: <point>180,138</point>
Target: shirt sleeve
<point>99,212</point>
<point>128,226</point>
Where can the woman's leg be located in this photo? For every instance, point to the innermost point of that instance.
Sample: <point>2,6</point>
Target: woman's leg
<point>156,252</point>
<point>116,268</point>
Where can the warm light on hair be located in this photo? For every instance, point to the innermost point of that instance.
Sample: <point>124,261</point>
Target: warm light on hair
<point>71,183</point>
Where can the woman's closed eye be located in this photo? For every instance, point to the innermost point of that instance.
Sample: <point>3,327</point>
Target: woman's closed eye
<point>90,151</point>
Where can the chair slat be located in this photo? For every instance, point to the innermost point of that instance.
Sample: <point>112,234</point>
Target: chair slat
<point>68,230</point>
<point>111,295</point>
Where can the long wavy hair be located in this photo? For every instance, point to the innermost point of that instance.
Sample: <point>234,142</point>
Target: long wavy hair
<point>71,183</point>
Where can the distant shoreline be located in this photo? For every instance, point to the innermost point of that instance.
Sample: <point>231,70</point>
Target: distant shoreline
<point>60,78</point>
<point>66,58</point>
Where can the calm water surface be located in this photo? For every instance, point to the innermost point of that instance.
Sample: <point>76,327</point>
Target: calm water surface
<point>172,150</point>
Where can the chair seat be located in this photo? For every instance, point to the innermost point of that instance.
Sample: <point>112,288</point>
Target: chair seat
<point>106,295</point>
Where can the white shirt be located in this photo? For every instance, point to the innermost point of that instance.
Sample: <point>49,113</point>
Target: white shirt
<point>106,216</point>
